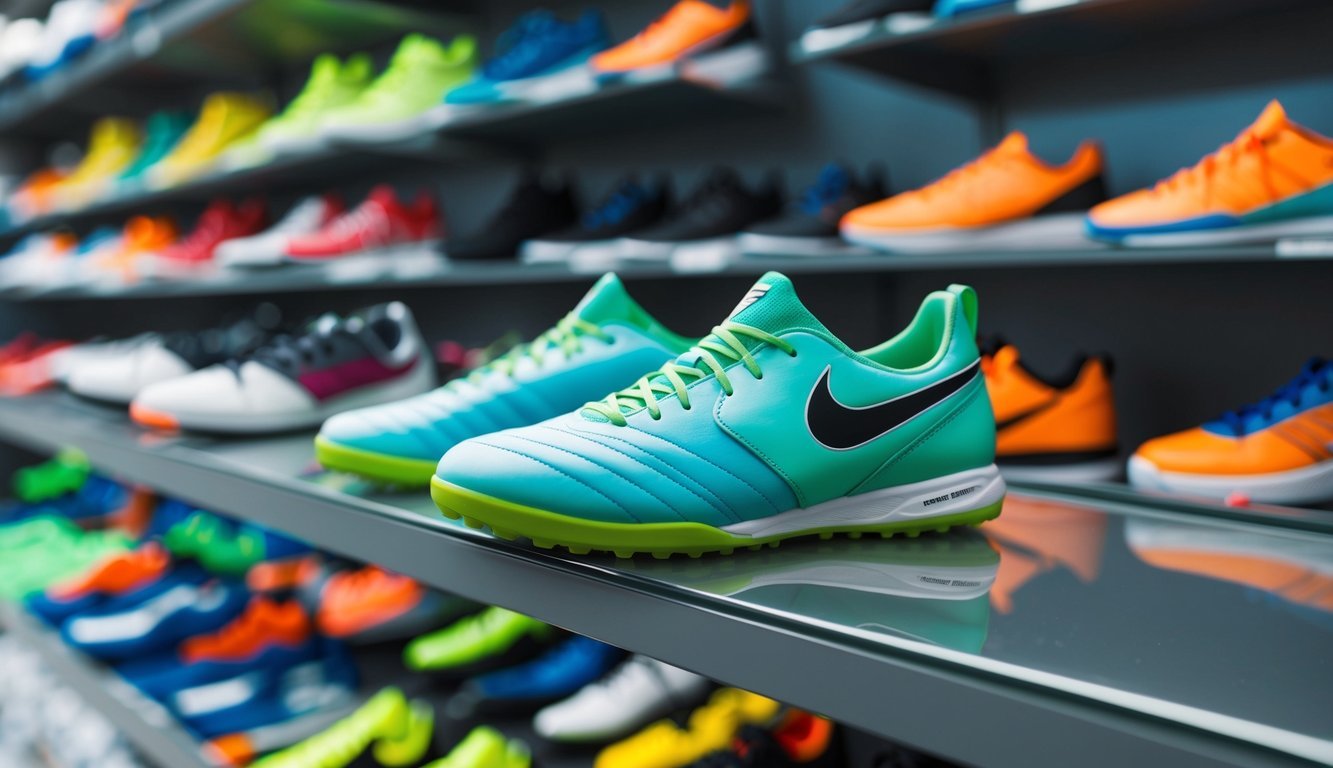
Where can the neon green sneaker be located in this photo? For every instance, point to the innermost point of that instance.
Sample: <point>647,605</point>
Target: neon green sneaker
<point>397,731</point>
<point>769,428</point>
<point>493,635</point>
<point>332,84</point>
<point>404,100</point>
<point>485,747</point>
<point>65,473</point>
<point>58,556</point>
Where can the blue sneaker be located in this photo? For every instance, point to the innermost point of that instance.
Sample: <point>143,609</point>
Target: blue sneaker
<point>558,673</point>
<point>98,498</point>
<point>269,636</point>
<point>156,624</point>
<point>948,9</point>
<point>607,340</point>
<point>118,584</point>
<point>538,46</point>
<point>268,696</point>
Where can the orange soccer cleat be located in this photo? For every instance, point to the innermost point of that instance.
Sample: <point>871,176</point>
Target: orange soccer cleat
<point>1061,430</point>
<point>1274,180</point>
<point>689,28</point>
<point>1007,198</point>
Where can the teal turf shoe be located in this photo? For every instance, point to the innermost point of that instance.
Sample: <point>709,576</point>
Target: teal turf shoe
<point>607,341</point>
<point>769,428</point>
<point>162,131</point>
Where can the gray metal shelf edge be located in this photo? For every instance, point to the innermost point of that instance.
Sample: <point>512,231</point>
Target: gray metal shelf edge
<point>464,274</point>
<point>145,723</point>
<point>855,681</point>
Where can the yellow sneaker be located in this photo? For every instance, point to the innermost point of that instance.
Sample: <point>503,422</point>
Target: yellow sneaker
<point>225,119</point>
<point>710,728</point>
<point>113,145</point>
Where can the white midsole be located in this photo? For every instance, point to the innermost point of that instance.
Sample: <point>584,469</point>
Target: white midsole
<point>1317,225</point>
<point>1097,471</point>
<point>1061,230</point>
<point>419,381</point>
<point>938,497</point>
<point>1293,486</point>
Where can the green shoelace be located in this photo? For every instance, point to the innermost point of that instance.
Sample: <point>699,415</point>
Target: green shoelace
<point>675,379</point>
<point>567,336</point>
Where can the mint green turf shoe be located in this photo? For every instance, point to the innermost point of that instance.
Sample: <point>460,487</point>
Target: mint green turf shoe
<point>769,428</point>
<point>608,340</point>
<point>402,102</point>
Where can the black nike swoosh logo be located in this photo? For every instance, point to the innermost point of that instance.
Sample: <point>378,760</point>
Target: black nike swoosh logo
<point>1025,415</point>
<point>841,428</point>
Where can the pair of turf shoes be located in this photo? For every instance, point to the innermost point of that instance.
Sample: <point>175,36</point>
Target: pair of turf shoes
<point>767,428</point>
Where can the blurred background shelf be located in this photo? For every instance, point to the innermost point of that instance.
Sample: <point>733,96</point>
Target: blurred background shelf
<point>963,56</point>
<point>165,54</point>
<point>144,723</point>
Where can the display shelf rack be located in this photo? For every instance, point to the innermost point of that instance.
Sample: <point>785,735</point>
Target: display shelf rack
<point>416,269</point>
<point>960,56</point>
<point>222,38</point>
<point>144,723</point>
<point>843,672</point>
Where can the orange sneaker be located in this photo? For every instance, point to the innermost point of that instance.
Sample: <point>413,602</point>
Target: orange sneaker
<point>372,605</point>
<point>264,623</point>
<point>1007,198</point>
<point>1279,450</point>
<point>116,575</point>
<point>1274,180</point>
<point>144,237</point>
<point>689,28</point>
<point>1060,430</point>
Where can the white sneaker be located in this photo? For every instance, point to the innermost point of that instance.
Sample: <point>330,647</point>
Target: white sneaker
<point>636,693</point>
<point>373,357</point>
<point>269,248</point>
<point>18,45</point>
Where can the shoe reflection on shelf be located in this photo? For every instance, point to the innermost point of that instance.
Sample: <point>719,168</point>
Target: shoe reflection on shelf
<point>1295,571</point>
<point>1037,536</point>
<point>930,589</point>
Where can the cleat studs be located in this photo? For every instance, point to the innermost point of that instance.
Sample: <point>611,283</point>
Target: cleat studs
<point>449,513</point>
<point>624,554</point>
<point>544,543</point>
<point>661,555</point>
<point>473,522</point>
<point>854,534</point>
<point>825,536</point>
<point>755,547</point>
<point>726,550</point>
<point>504,533</point>
<point>578,550</point>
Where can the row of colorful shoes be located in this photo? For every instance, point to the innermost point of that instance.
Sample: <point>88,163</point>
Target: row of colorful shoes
<point>1039,427</point>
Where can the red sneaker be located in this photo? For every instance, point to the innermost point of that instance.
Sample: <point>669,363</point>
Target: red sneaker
<point>380,221</point>
<point>220,222</point>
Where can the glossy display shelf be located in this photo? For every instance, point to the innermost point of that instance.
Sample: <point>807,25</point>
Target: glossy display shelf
<point>420,267</point>
<point>961,56</point>
<point>143,722</point>
<point>1063,617</point>
<point>184,39</point>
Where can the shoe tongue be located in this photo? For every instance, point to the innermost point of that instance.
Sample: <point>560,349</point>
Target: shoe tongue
<point>1273,119</point>
<point>771,306</point>
<point>608,301</point>
<point>1015,143</point>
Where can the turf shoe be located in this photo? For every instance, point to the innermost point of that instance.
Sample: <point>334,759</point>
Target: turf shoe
<point>1277,450</point>
<point>267,635</point>
<point>769,428</point>
<point>606,338</point>
<point>380,221</point>
<point>387,725</point>
<point>157,624</point>
<point>162,130</point>
<point>532,55</point>
<point>1057,429</point>
<point>1006,198</point>
<point>371,605</point>
<point>709,728</point>
<point>811,227</point>
<point>634,694</point>
<point>371,357</point>
<point>486,640</point>
<point>559,672</point>
<point>1275,180</point>
<point>689,28</point>
<point>331,85</point>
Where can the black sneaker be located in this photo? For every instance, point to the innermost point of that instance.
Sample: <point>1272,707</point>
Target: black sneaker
<point>628,208</point>
<point>810,228</point>
<point>720,208</point>
<point>535,209</point>
<point>860,11</point>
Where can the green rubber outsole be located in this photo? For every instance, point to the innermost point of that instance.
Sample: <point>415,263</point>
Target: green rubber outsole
<point>548,530</point>
<point>373,466</point>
